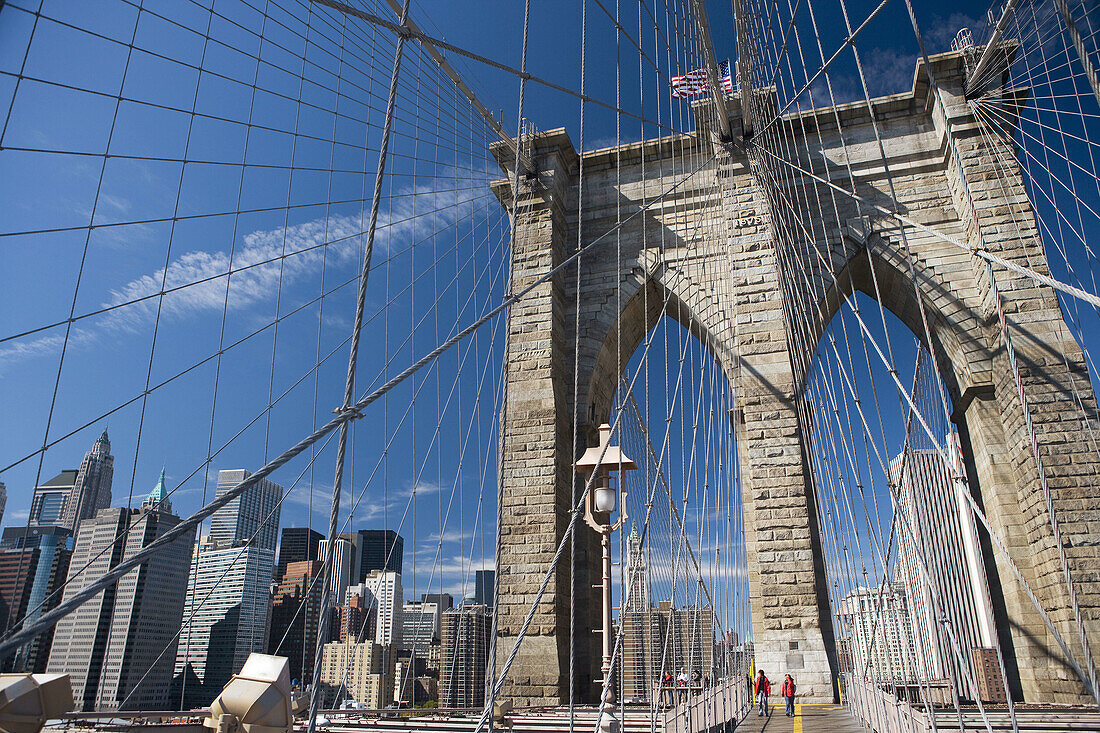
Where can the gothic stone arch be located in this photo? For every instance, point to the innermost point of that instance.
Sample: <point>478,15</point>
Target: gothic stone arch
<point>707,255</point>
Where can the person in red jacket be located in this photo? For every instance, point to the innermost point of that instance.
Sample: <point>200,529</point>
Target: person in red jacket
<point>763,689</point>
<point>788,693</point>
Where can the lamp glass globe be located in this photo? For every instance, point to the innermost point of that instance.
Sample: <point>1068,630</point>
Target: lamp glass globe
<point>605,499</point>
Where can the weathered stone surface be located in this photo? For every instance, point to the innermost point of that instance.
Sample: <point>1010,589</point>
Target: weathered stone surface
<point>709,254</point>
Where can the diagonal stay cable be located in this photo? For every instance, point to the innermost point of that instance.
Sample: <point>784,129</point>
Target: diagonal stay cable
<point>574,514</point>
<point>217,584</point>
<point>312,249</point>
<point>210,357</point>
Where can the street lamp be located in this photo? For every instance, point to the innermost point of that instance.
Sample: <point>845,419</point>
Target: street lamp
<point>601,504</point>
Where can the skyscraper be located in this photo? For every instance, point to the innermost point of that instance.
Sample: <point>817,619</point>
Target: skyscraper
<point>445,601</point>
<point>226,610</point>
<point>380,549</point>
<point>225,618</point>
<point>297,544</point>
<point>420,623</point>
<point>485,587</point>
<point>114,641</point>
<point>386,589</point>
<point>360,671</point>
<point>880,637</point>
<point>75,495</point>
<point>354,616</point>
<point>637,573</point>
<point>644,634</point>
<point>664,639</point>
<point>339,567</point>
<point>49,499</point>
<point>640,626</point>
<point>691,636</point>
<point>465,654</point>
<point>17,569</point>
<point>92,486</point>
<point>34,562</point>
<point>355,540</point>
<point>252,517</point>
<point>940,562</point>
<point>990,682</point>
<point>294,630</point>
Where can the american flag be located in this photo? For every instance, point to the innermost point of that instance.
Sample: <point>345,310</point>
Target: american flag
<point>694,83</point>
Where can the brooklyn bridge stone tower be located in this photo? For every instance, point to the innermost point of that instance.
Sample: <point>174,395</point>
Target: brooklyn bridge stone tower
<point>737,288</point>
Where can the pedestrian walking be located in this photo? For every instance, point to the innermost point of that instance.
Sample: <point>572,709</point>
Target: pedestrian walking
<point>788,694</point>
<point>763,689</point>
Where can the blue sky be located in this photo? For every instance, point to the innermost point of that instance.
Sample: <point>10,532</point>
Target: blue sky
<point>160,223</point>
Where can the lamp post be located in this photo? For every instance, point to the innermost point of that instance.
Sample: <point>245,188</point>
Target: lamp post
<point>598,510</point>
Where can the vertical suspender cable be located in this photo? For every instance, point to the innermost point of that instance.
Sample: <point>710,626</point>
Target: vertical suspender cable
<point>349,385</point>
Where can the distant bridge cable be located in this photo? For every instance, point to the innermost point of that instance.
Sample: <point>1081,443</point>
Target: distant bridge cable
<point>217,583</point>
<point>827,269</point>
<point>935,440</point>
<point>213,355</point>
<point>633,578</point>
<point>574,514</point>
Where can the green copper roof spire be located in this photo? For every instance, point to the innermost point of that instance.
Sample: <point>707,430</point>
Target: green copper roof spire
<point>158,497</point>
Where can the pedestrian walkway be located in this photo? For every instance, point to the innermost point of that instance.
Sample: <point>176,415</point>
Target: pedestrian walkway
<point>807,719</point>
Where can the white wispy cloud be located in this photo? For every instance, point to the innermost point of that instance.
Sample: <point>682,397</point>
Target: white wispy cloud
<point>889,70</point>
<point>363,506</point>
<point>422,488</point>
<point>319,503</point>
<point>433,540</point>
<point>455,575</point>
<point>262,261</point>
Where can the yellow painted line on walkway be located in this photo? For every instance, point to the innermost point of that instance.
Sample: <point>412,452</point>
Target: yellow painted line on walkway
<point>798,718</point>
